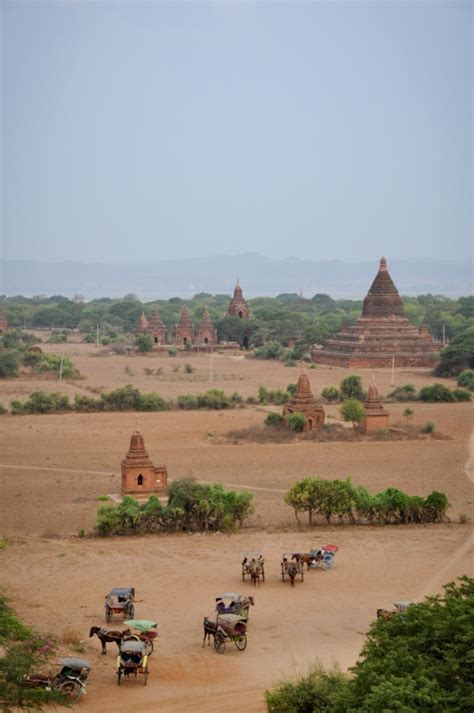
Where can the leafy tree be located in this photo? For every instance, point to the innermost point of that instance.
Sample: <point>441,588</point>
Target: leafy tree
<point>313,693</point>
<point>458,355</point>
<point>144,343</point>
<point>9,361</point>
<point>351,388</point>
<point>352,410</point>
<point>461,395</point>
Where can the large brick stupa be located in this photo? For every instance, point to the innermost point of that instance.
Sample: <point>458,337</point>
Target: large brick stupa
<point>381,334</point>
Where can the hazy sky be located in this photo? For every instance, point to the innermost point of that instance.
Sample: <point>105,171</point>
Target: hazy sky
<point>153,130</point>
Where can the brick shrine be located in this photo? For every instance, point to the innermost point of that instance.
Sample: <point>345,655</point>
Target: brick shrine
<point>238,307</point>
<point>304,402</point>
<point>207,333</point>
<point>375,415</point>
<point>139,475</point>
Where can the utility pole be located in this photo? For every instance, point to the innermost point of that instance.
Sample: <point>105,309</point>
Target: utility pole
<point>444,334</point>
<point>61,367</point>
<point>97,336</point>
<point>210,365</point>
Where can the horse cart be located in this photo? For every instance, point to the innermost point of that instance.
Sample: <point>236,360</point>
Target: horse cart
<point>119,602</point>
<point>253,566</point>
<point>132,660</point>
<point>142,630</point>
<point>291,568</point>
<point>70,681</point>
<point>233,603</point>
<point>400,608</point>
<point>322,557</point>
<point>230,627</point>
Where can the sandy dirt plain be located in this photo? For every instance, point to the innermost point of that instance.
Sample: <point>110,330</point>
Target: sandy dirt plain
<point>53,469</point>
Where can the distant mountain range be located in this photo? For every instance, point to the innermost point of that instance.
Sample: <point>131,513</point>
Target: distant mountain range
<point>259,276</point>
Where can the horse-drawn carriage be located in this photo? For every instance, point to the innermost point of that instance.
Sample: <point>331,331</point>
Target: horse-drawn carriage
<point>70,681</point>
<point>142,630</point>
<point>233,603</point>
<point>291,568</point>
<point>132,660</point>
<point>119,601</point>
<point>318,557</point>
<point>228,627</point>
<point>253,566</point>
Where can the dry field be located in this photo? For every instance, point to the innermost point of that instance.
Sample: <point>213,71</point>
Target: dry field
<point>53,469</point>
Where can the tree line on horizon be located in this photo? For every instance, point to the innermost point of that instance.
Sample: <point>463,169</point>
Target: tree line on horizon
<point>281,318</point>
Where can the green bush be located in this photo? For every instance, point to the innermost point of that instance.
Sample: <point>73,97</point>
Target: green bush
<point>313,693</point>
<point>274,419</point>
<point>436,393</point>
<point>292,388</point>
<point>191,507</point>
<point>9,362</point>
<point>52,362</point>
<point>270,350</point>
<point>39,402</point>
<point>403,393</point>
<point>461,394</point>
<point>187,402</point>
<point>144,343</point>
<point>466,379</point>
<point>351,388</point>
<point>188,369</point>
<point>172,351</point>
<point>429,427</point>
<point>3,409</point>
<point>89,339</point>
<point>153,402</point>
<point>31,358</point>
<point>296,422</point>
<point>331,394</point>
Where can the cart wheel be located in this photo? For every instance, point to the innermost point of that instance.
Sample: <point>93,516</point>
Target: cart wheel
<point>119,676</point>
<point>243,575</point>
<point>263,574</point>
<point>131,612</point>
<point>145,675</point>
<point>282,574</point>
<point>328,562</point>
<point>108,615</point>
<point>302,574</point>
<point>71,690</point>
<point>148,647</point>
<point>241,642</point>
<point>219,643</point>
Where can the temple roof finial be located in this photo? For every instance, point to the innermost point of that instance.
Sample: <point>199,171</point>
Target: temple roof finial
<point>383,264</point>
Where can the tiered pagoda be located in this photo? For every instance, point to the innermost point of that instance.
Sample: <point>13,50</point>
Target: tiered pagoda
<point>375,415</point>
<point>238,307</point>
<point>380,335</point>
<point>207,332</point>
<point>156,327</point>
<point>304,402</point>
<point>139,475</point>
<point>184,329</point>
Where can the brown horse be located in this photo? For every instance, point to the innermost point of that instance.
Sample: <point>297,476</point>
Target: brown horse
<point>210,628</point>
<point>385,614</point>
<point>106,636</point>
<point>291,569</point>
<point>255,572</point>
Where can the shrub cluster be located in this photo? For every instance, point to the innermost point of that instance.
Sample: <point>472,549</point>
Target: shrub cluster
<point>192,507</point>
<point>437,393</point>
<point>415,661</point>
<point>23,653</point>
<point>12,359</point>
<point>213,399</point>
<point>277,396</point>
<point>328,498</point>
<point>466,379</point>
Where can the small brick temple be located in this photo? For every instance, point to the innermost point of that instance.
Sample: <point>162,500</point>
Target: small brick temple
<point>375,415</point>
<point>304,402</point>
<point>139,475</point>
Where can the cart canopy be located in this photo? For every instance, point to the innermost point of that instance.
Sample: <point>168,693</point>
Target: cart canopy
<point>141,624</point>
<point>75,664</point>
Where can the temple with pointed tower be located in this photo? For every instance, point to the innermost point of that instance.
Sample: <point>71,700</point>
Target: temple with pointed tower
<point>381,335</point>
<point>304,402</point>
<point>238,307</point>
<point>156,327</point>
<point>375,417</point>
<point>184,333</point>
<point>207,333</point>
<point>142,326</point>
<point>139,475</point>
